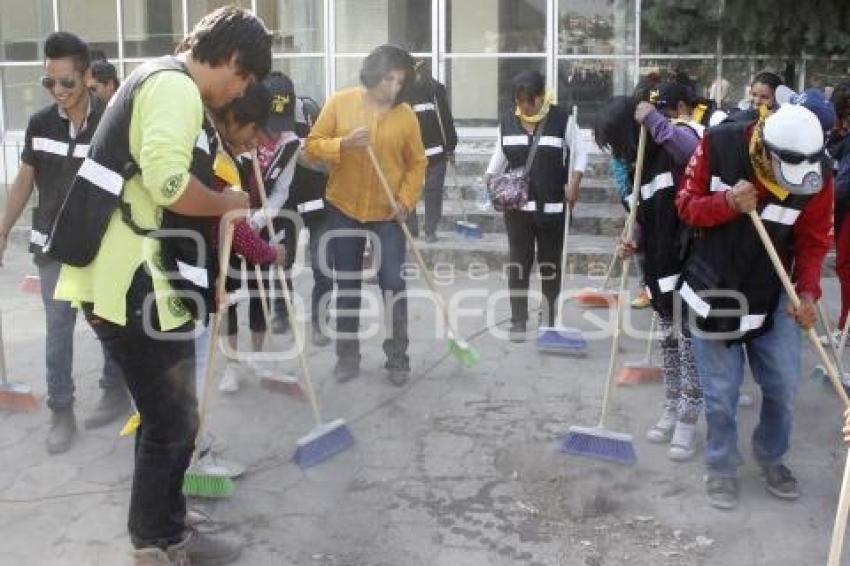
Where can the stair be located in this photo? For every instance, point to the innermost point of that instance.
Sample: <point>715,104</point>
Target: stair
<point>598,217</point>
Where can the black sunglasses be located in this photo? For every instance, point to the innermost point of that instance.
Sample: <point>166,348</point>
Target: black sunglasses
<point>794,157</point>
<point>64,82</point>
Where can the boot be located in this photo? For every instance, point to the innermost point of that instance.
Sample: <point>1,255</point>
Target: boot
<point>63,429</point>
<point>114,403</point>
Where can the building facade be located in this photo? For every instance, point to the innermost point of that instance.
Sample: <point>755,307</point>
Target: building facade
<point>588,49</point>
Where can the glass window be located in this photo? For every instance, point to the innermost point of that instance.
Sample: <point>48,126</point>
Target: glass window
<point>200,8</point>
<point>669,28</point>
<point>296,24</point>
<point>822,73</point>
<point>362,25</point>
<point>307,74</point>
<point>700,72</point>
<point>484,26</point>
<point>348,71</point>
<point>21,94</point>
<point>593,27</point>
<point>590,84</point>
<point>151,27</point>
<point>96,25</point>
<point>490,79</point>
<point>23,27</point>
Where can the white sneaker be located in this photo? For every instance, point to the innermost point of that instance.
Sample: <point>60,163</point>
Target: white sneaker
<point>260,369</point>
<point>661,431</point>
<point>683,444</point>
<point>229,381</point>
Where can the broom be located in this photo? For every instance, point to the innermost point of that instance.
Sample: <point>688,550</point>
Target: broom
<point>599,297</point>
<point>560,339</point>
<point>832,373</point>
<point>204,480</point>
<point>643,371</point>
<point>279,382</point>
<point>461,350</point>
<point>327,439</point>
<point>463,227</point>
<point>13,396</point>
<point>599,442</point>
<point>819,372</point>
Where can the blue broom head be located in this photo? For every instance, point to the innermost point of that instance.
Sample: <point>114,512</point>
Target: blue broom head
<point>567,341</point>
<point>468,229</point>
<point>600,444</point>
<point>323,442</point>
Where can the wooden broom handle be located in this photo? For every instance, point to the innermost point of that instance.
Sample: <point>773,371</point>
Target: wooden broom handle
<point>287,297</point>
<point>376,165</point>
<point>221,290</point>
<point>840,527</point>
<point>261,289</point>
<point>624,276</point>
<point>795,300</point>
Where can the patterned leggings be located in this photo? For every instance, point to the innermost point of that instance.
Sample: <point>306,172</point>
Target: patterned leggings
<point>682,390</point>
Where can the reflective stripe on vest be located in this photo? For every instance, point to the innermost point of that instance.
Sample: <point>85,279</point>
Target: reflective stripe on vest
<point>423,107</point>
<point>101,177</point>
<point>81,150</point>
<point>717,184</point>
<point>780,214</point>
<point>551,141</point>
<point>37,238</point>
<point>433,151</point>
<point>310,206</point>
<point>515,140</point>
<point>548,208</point>
<point>48,145</point>
<point>196,275</point>
<point>667,284</point>
<point>661,181</point>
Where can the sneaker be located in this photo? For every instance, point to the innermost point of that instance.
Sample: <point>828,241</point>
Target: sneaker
<point>209,550</point>
<point>722,492</point>
<point>114,403</point>
<point>155,556</point>
<point>318,337</point>
<point>229,381</point>
<point>517,332</point>
<point>780,482</point>
<point>63,430</point>
<point>346,370</point>
<point>642,301</point>
<point>683,443</point>
<point>662,431</point>
<point>398,377</point>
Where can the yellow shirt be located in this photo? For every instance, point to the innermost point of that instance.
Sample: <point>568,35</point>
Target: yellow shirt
<point>166,121</point>
<point>353,185</point>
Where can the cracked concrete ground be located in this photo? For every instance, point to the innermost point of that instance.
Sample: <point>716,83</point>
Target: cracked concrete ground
<point>457,468</point>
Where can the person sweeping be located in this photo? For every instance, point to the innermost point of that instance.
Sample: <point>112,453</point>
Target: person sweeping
<point>663,241</point>
<point>138,165</point>
<point>350,122</point>
<point>773,166</point>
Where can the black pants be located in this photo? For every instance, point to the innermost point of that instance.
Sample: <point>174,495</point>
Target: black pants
<point>321,262</point>
<point>524,231</point>
<point>160,374</point>
<point>432,196</point>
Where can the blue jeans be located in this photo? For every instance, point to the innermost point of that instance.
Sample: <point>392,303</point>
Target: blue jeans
<point>775,362</point>
<point>348,261</point>
<point>59,344</point>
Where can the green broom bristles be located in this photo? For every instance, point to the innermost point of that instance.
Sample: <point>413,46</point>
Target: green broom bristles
<point>463,352</point>
<point>205,482</point>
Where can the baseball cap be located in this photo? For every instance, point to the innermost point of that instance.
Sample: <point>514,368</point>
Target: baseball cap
<point>669,94</point>
<point>815,101</point>
<point>794,139</point>
<point>282,111</point>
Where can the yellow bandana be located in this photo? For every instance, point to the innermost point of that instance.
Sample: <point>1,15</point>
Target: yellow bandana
<point>548,101</point>
<point>760,159</point>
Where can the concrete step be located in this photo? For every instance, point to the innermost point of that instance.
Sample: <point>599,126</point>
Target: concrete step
<point>588,255</point>
<point>593,189</point>
<point>591,219</point>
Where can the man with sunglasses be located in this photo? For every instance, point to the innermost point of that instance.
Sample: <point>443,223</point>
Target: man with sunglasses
<point>57,139</point>
<point>776,166</point>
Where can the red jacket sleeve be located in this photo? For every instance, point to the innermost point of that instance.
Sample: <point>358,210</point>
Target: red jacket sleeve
<point>696,204</point>
<point>811,241</point>
<point>251,246</point>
